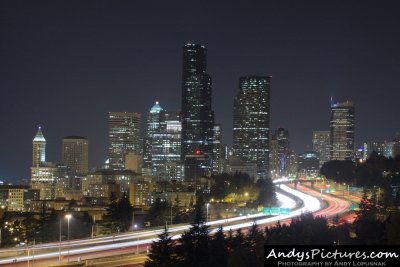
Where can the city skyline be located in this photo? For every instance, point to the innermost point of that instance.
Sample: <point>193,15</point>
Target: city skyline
<point>61,73</point>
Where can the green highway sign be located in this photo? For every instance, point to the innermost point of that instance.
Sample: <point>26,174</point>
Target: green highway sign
<point>276,211</point>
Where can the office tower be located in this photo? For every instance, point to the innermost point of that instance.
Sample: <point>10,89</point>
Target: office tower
<point>12,197</point>
<point>388,149</point>
<point>166,147</point>
<point>369,147</point>
<point>279,153</point>
<point>218,150</point>
<point>321,141</point>
<point>152,126</point>
<point>162,153</point>
<point>39,149</point>
<point>342,131</point>
<point>75,154</point>
<point>197,113</point>
<point>292,165</point>
<point>251,122</point>
<point>308,164</point>
<point>123,137</point>
<point>396,149</point>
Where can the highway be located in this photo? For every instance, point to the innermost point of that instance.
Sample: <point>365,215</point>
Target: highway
<point>140,241</point>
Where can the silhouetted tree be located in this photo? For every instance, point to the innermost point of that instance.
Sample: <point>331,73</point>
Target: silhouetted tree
<point>119,214</point>
<point>339,170</point>
<point>158,213</point>
<point>162,252</point>
<point>267,195</point>
<point>218,250</point>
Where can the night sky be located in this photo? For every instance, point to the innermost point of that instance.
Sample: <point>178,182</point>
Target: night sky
<point>65,64</point>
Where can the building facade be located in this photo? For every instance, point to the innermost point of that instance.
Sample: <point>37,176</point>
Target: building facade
<point>75,154</point>
<point>123,137</point>
<point>342,131</point>
<point>280,152</point>
<point>196,110</point>
<point>321,143</point>
<point>163,144</point>
<point>218,150</point>
<point>308,164</point>
<point>251,122</point>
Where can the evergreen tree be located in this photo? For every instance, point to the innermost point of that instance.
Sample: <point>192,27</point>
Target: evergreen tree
<point>119,214</point>
<point>158,213</point>
<point>218,251</point>
<point>254,242</point>
<point>239,253</point>
<point>198,216</point>
<point>162,252</point>
<point>194,247</point>
<point>267,195</point>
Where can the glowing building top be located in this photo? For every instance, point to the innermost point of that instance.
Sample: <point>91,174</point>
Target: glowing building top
<point>39,148</point>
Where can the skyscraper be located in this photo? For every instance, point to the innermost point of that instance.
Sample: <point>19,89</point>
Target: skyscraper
<point>163,143</point>
<point>123,137</point>
<point>280,152</point>
<point>308,164</point>
<point>152,126</point>
<point>43,175</point>
<point>219,150</point>
<point>251,122</point>
<point>197,113</point>
<point>342,131</point>
<point>75,154</point>
<point>321,142</point>
<point>39,149</point>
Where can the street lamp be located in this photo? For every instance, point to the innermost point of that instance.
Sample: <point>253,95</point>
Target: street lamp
<point>68,217</point>
<point>208,204</point>
<point>59,248</point>
<point>171,212</point>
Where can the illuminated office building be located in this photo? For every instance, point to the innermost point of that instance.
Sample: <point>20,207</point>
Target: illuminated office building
<point>218,150</point>
<point>75,154</point>
<point>197,113</point>
<point>308,164</point>
<point>123,137</point>
<point>321,142</point>
<point>163,144</point>
<point>342,131</point>
<point>251,122</point>
<point>281,155</point>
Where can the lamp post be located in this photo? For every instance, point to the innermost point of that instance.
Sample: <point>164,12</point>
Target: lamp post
<point>208,204</point>
<point>94,222</point>
<point>344,185</point>
<point>59,247</point>
<point>171,211</point>
<point>68,217</point>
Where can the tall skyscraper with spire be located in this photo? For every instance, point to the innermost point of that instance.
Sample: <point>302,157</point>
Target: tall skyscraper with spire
<point>342,131</point>
<point>39,149</point>
<point>197,113</point>
<point>43,174</point>
<point>251,122</point>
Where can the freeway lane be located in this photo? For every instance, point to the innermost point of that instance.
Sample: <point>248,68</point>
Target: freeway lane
<point>84,247</point>
<point>285,202</point>
<point>311,204</point>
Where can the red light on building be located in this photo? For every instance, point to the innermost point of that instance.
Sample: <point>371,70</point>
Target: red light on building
<point>198,152</point>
